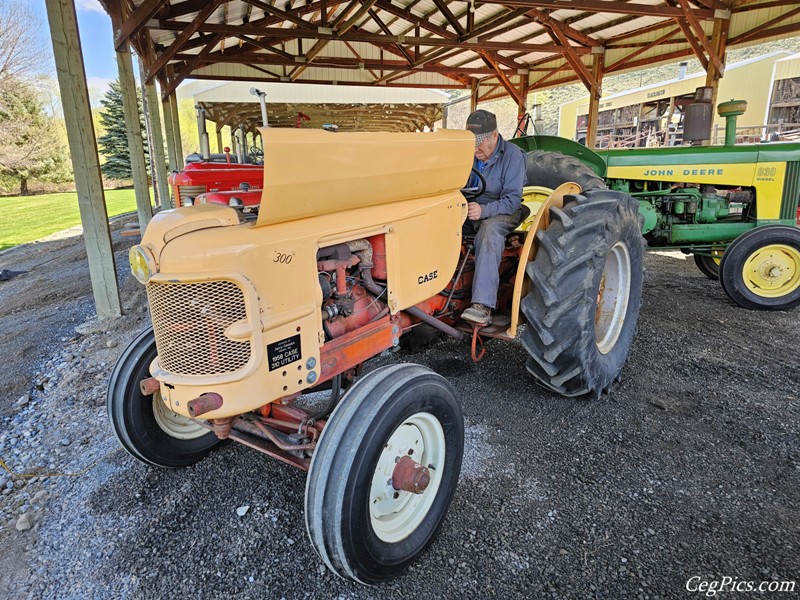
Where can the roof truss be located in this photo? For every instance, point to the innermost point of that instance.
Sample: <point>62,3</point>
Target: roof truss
<point>508,46</point>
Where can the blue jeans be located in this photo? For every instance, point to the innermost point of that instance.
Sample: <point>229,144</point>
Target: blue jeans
<point>490,239</point>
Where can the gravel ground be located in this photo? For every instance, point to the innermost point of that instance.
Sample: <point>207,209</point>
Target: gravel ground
<point>690,467</point>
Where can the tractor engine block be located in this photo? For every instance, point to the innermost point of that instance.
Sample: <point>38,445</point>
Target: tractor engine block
<point>350,296</point>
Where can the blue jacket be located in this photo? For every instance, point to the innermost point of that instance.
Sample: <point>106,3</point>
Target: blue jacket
<point>504,173</point>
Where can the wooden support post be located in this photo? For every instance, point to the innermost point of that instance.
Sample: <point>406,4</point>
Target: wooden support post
<point>157,159</point>
<point>473,98</point>
<point>169,134</point>
<point>220,148</point>
<point>595,92</point>
<point>130,108</point>
<point>522,108</point>
<point>176,132</point>
<point>719,40</point>
<point>157,198</point>
<point>85,162</point>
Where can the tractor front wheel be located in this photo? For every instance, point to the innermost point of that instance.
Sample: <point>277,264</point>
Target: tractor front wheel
<point>384,472</point>
<point>144,425</point>
<point>586,292</point>
<point>709,263</point>
<point>761,268</point>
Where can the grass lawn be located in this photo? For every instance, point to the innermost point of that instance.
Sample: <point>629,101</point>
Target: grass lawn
<point>29,218</point>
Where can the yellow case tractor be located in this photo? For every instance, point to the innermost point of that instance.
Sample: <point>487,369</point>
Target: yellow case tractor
<point>358,244</point>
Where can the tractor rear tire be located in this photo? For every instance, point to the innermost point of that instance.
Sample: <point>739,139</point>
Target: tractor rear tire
<point>144,425</point>
<point>551,169</point>
<point>760,270</point>
<point>360,525</point>
<point>586,293</point>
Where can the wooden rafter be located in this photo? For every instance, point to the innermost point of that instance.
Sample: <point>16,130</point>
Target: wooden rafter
<point>385,28</point>
<point>603,6</point>
<point>182,38</point>
<point>378,39</point>
<point>701,36</point>
<point>756,31</point>
<point>568,31</point>
<point>284,15</point>
<point>191,65</point>
<point>134,23</point>
<point>649,46</point>
<point>696,47</point>
<point>441,37</point>
<point>454,23</point>
<point>501,77</point>
<point>339,28</point>
<point>581,70</point>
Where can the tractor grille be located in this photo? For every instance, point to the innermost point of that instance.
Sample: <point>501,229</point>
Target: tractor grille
<point>189,321</point>
<point>791,191</point>
<point>190,191</point>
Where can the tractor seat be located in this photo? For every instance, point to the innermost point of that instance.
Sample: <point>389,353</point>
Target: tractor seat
<point>513,239</point>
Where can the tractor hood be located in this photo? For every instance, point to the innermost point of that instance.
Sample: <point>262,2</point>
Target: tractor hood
<point>315,172</point>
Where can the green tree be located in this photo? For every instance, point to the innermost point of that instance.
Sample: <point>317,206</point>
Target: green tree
<point>114,142</point>
<point>30,145</point>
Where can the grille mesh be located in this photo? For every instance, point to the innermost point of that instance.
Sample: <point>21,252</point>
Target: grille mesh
<point>190,191</point>
<point>189,321</point>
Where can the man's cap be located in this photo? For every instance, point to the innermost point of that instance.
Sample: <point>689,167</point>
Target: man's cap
<point>482,123</point>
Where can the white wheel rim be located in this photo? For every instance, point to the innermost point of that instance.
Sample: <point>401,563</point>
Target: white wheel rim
<point>396,514</point>
<point>173,424</point>
<point>612,298</point>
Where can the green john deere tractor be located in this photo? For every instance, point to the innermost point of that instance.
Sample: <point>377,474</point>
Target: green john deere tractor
<point>734,207</point>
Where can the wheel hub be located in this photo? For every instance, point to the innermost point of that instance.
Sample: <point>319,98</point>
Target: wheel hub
<point>772,271</point>
<point>173,424</point>
<point>405,480</point>
<point>410,476</point>
<point>612,298</point>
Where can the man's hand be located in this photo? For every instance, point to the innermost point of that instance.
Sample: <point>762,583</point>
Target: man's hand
<point>473,211</point>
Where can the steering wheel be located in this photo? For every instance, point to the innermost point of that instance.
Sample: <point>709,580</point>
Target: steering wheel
<point>473,192</point>
<point>256,155</point>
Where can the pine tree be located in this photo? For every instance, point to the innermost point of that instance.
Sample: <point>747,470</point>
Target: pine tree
<point>114,144</point>
<point>29,145</point>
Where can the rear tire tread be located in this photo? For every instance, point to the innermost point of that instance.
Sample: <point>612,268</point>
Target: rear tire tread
<point>561,304</point>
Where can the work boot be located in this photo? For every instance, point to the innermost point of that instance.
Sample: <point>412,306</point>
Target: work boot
<point>478,314</point>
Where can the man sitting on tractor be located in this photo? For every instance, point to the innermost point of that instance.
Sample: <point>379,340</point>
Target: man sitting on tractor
<point>493,214</point>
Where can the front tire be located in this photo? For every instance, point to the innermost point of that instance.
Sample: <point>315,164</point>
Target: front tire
<point>144,425</point>
<point>362,528</point>
<point>586,293</point>
<point>709,263</point>
<point>761,268</point>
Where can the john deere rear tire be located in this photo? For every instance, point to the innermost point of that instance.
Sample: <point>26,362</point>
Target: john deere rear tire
<point>761,268</point>
<point>362,527</point>
<point>551,169</point>
<point>586,293</point>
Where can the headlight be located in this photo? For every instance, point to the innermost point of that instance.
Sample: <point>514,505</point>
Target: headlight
<point>143,265</point>
<point>188,201</point>
<point>236,202</point>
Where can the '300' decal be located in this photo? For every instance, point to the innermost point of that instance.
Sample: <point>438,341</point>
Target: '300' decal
<point>283,257</point>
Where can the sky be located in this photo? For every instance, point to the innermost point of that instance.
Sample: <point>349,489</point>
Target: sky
<point>96,42</point>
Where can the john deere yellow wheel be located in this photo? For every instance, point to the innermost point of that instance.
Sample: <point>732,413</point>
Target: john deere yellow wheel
<point>761,268</point>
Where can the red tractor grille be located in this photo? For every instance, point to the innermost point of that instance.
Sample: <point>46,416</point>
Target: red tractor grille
<point>189,321</point>
<point>189,191</point>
